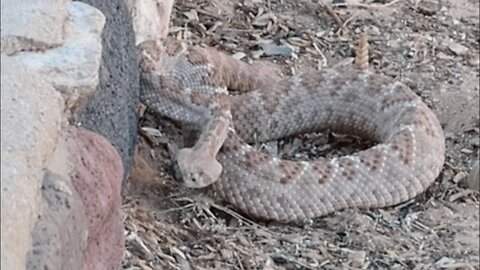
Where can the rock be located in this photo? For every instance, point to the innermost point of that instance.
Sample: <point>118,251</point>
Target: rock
<point>357,258</point>
<point>112,109</point>
<point>31,112</point>
<point>475,141</point>
<point>38,230</point>
<point>80,225</point>
<point>60,234</point>
<point>445,262</point>
<point>466,151</point>
<point>97,174</point>
<point>73,67</point>
<point>273,50</point>
<point>150,18</point>
<point>239,55</point>
<point>459,177</point>
<point>474,60</point>
<point>428,8</point>
<point>473,180</point>
<point>455,47</point>
<point>444,56</point>
<point>32,25</point>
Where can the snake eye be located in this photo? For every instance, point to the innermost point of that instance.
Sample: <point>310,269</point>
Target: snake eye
<point>177,176</point>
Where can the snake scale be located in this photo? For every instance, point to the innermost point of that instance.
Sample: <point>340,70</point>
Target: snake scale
<point>191,84</point>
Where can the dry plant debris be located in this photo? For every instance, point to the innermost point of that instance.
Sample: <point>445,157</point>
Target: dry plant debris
<point>432,46</point>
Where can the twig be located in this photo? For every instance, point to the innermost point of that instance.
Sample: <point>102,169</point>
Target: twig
<point>371,5</point>
<point>337,19</point>
<point>291,259</point>
<point>324,59</point>
<point>207,13</point>
<point>344,25</point>
<point>235,214</point>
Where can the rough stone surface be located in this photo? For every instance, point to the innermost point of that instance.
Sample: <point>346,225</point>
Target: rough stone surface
<point>97,176</point>
<point>80,225</point>
<point>60,234</point>
<point>31,112</point>
<point>73,67</point>
<point>112,109</point>
<point>150,18</point>
<point>48,56</point>
<point>32,24</point>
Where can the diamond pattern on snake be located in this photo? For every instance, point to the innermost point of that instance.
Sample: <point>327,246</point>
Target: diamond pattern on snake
<point>190,84</point>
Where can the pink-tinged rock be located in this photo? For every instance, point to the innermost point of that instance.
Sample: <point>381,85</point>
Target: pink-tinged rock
<point>97,176</point>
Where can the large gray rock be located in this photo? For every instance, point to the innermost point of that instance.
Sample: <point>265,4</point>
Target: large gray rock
<point>38,85</point>
<point>31,112</point>
<point>112,110</point>
<point>73,67</point>
<point>32,24</point>
<point>61,202</point>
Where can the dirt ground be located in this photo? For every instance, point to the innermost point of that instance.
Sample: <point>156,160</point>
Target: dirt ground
<point>432,46</point>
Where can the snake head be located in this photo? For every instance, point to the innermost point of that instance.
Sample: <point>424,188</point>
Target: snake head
<point>196,171</point>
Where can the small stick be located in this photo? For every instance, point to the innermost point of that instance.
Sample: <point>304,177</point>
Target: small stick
<point>371,5</point>
<point>337,19</point>
<point>344,25</point>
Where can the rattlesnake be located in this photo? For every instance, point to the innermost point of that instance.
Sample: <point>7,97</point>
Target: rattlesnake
<point>189,84</point>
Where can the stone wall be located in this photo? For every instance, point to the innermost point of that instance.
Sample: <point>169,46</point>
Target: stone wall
<point>69,99</point>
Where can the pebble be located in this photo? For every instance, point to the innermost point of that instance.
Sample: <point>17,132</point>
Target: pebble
<point>444,56</point>
<point>357,258</point>
<point>274,50</point>
<point>459,177</point>
<point>239,55</point>
<point>473,61</point>
<point>428,8</point>
<point>457,48</point>
<point>473,180</point>
<point>475,141</point>
<point>466,151</point>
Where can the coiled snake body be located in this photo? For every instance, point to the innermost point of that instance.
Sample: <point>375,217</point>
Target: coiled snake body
<point>190,84</point>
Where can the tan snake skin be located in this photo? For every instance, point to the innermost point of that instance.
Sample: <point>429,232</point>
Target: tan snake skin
<point>189,84</point>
